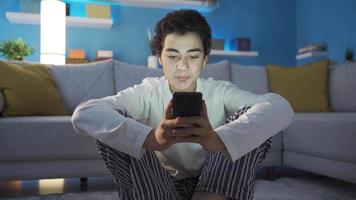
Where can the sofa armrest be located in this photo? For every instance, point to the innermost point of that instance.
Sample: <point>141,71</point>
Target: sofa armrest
<point>2,102</point>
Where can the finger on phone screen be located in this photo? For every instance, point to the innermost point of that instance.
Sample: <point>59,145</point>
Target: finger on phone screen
<point>204,109</point>
<point>168,111</point>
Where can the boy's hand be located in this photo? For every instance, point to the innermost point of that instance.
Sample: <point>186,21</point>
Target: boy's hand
<point>201,132</point>
<point>161,138</point>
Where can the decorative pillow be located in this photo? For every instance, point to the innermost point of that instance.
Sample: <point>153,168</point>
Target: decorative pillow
<point>29,90</point>
<point>250,78</point>
<point>305,87</point>
<point>81,82</point>
<point>128,75</point>
<point>343,87</point>
<point>217,71</point>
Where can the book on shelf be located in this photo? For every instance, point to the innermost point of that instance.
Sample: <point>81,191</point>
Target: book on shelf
<point>101,58</point>
<point>311,52</point>
<point>76,61</point>
<point>98,11</point>
<point>217,44</point>
<point>103,55</point>
<point>30,6</point>
<point>76,54</point>
<point>314,47</point>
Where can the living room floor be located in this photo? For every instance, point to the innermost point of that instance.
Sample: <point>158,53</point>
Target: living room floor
<point>12,189</point>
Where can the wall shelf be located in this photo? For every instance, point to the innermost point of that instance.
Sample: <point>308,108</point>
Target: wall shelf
<point>201,5</point>
<point>311,54</point>
<point>32,18</point>
<point>214,52</point>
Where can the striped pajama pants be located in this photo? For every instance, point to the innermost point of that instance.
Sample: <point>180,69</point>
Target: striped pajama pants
<point>145,178</point>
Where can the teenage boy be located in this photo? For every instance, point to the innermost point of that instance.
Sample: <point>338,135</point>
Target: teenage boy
<point>150,158</point>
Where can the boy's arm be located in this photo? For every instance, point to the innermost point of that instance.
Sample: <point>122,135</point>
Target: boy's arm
<point>269,114</point>
<point>100,118</point>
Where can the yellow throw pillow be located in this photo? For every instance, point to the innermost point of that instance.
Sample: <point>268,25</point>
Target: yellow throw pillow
<point>29,90</point>
<point>305,87</point>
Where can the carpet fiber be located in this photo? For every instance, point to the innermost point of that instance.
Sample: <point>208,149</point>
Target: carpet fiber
<point>301,188</point>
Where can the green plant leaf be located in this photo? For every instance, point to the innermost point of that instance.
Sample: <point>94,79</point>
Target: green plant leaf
<point>15,50</point>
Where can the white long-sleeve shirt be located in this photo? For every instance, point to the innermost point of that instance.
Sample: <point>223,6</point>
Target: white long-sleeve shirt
<point>146,103</point>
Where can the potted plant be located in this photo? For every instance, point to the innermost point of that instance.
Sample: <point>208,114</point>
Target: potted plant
<point>349,55</point>
<point>15,50</point>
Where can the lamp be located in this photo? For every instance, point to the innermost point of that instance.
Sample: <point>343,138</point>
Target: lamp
<point>53,32</point>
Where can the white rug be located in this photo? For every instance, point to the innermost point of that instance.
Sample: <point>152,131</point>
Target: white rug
<point>304,189</point>
<point>281,189</point>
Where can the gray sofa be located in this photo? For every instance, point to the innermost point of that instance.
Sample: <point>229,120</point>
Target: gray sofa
<point>48,147</point>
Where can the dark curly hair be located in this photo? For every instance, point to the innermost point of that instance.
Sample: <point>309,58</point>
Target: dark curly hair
<point>181,22</point>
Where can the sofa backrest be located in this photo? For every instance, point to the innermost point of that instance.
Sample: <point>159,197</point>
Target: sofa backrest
<point>77,83</point>
<point>80,82</point>
<point>218,71</point>
<point>250,78</point>
<point>127,75</point>
<point>342,84</point>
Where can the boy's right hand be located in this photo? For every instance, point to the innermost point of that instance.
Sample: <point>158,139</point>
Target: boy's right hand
<point>161,138</point>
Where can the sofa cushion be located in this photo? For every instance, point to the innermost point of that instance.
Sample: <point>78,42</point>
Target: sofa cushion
<point>327,135</point>
<point>343,87</point>
<point>43,138</point>
<point>305,87</point>
<point>128,75</point>
<point>217,71</point>
<point>250,78</point>
<point>81,82</point>
<point>29,90</point>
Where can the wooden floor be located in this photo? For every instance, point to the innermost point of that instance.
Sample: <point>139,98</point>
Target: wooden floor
<point>10,189</point>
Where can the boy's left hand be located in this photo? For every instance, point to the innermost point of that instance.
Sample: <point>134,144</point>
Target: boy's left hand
<point>199,131</point>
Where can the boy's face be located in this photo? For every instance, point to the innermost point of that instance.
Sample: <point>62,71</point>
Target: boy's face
<point>182,59</point>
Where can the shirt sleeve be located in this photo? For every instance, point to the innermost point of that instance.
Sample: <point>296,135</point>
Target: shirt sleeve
<point>99,118</point>
<point>269,114</point>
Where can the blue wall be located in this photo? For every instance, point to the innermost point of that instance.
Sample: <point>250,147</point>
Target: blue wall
<point>272,28</point>
<point>330,21</point>
<point>30,33</point>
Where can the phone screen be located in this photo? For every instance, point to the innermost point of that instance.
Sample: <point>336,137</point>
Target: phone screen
<point>187,104</point>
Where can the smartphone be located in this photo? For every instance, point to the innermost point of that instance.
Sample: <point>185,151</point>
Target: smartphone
<point>187,104</point>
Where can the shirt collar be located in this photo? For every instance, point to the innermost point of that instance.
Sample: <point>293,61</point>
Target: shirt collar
<point>170,94</point>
